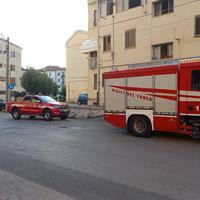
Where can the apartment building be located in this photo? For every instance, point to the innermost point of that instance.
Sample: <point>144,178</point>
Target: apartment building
<point>14,67</point>
<point>129,32</point>
<point>56,74</point>
<point>77,65</point>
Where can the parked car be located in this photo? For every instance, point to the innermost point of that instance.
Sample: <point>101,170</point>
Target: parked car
<point>82,99</point>
<point>2,104</point>
<point>38,106</point>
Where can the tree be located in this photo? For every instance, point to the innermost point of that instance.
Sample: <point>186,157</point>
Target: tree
<point>54,90</point>
<point>36,82</point>
<point>63,93</point>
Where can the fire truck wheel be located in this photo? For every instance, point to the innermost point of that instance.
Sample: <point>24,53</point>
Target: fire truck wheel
<point>140,126</point>
<point>47,115</point>
<point>16,113</point>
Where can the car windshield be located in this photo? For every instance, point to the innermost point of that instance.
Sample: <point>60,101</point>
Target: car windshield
<point>47,99</point>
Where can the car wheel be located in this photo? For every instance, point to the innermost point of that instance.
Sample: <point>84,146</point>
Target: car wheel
<point>47,115</point>
<point>16,114</point>
<point>64,117</point>
<point>140,126</point>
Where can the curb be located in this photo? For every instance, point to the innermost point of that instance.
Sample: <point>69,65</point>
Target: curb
<point>85,112</point>
<point>82,107</point>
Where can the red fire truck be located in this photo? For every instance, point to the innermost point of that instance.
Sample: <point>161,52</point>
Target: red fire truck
<point>155,98</point>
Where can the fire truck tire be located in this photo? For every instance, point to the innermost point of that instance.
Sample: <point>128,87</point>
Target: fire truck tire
<point>140,126</point>
<point>16,114</point>
<point>47,115</point>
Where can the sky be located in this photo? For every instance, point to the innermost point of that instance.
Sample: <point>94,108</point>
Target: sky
<point>42,27</point>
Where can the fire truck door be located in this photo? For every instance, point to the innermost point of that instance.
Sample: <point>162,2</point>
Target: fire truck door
<point>190,91</point>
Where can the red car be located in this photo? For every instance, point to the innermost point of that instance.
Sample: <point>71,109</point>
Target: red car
<point>38,106</point>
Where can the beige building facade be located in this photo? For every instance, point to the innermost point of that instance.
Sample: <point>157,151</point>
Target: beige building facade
<point>77,66</point>
<point>15,67</point>
<point>129,32</point>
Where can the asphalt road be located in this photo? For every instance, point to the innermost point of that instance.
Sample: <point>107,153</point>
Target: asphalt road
<point>91,160</point>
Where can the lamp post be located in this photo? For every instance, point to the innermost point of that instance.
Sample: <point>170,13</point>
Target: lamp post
<point>7,41</point>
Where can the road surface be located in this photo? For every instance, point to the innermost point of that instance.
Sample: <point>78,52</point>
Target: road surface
<point>91,160</point>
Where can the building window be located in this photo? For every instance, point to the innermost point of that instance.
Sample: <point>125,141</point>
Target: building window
<point>162,7</point>
<point>95,18</point>
<point>63,75</point>
<point>107,43</point>
<point>12,67</point>
<point>130,38</point>
<point>106,7</point>
<point>127,4</point>
<point>197,25</point>
<point>1,65</point>
<point>162,51</point>
<point>95,81</point>
<point>134,3</point>
<point>12,54</point>
<point>92,62</point>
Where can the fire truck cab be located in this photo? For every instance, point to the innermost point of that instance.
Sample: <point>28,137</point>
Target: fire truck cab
<point>155,98</point>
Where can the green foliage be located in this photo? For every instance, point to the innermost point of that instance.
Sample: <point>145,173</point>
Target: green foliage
<point>35,82</point>
<point>54,90</point>
<point>63,93</point>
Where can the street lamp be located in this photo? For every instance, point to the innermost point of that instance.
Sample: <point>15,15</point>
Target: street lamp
<point>7,41</point>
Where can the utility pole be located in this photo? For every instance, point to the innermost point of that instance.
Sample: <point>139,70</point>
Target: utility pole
<point>7,69</point>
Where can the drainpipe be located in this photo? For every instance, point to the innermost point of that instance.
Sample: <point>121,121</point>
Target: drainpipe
<point>98,53</point>
<point>113,41</point>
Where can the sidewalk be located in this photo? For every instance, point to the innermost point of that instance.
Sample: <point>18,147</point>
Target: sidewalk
<point>15,188</point>
<point>85,111</point>
<point>81,111</point>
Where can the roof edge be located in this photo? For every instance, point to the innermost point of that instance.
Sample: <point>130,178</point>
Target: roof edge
<point>73,35</point>
<point>12,44</point>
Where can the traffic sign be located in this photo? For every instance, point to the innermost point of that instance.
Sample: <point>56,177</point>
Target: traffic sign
<point>11,86</point>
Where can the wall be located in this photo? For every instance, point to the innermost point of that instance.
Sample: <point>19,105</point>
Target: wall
<point>176,27</point>
<point>77,66</point>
